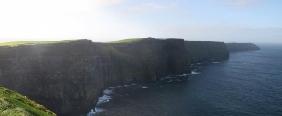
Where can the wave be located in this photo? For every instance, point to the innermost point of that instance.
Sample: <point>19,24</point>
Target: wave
<point>144,87</point>
<point>195,73</point>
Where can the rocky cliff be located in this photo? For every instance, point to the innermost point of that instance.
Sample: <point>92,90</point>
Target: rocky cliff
<point>239,47</point>
<point>68,77</point>
<point>206,51</point>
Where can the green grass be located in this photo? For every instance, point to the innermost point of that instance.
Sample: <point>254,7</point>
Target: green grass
<point>127,40</point>
<point>19,43</point>
<point>14,104</point>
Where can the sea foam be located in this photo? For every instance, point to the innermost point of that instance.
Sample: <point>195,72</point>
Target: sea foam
<point>195,73</point>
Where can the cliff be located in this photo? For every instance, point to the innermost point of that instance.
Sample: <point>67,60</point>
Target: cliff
<point>239,47</point>
<point>14,104</point>
<point>206,51</point>
<point>68,77</point>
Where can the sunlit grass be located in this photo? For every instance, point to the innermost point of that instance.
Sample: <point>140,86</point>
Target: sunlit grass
<point>14,104</point>
<point>19,43</point>
<point>127,40</point>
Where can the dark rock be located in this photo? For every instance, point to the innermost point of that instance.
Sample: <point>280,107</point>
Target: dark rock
<point>206,51</point>
<point>239,47</point>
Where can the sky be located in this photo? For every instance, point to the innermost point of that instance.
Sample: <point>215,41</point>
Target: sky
<point>110,20</point>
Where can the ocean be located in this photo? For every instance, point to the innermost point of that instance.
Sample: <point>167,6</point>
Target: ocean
<point>248,84</point>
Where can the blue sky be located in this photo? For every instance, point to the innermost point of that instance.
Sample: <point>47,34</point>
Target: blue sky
<point>108,20</point>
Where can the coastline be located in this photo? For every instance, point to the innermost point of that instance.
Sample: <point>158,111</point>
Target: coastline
<point>114,92</point>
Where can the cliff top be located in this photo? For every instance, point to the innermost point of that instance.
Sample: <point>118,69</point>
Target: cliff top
<point>127,40</point>
<point>19,43</point>
<point>14,104</point>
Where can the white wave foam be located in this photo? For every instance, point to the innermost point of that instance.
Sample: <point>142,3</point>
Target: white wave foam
<point>104,99</point>
<point>91,113</point>
<point>145,87</point>
<point>216,62</point>
<point>108,91</point>
<point>183,75</point>
<point>97,110</point>
<point>101,100</point>
<point>195,73</point>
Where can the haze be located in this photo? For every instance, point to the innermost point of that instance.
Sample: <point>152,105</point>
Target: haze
<point>109,20</point>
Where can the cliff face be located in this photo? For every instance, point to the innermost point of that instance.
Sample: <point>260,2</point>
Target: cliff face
<point>56,75</point>
<point>69,77</point>
<point>206,51</point>
<point>148,59</point>
<point>239,47</point>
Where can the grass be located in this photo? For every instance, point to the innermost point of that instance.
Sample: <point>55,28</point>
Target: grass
<point>127,40</point>
<point>14,104</point>
<point>19,43</point>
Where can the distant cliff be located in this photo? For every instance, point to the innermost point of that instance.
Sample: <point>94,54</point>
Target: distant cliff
<point>68,77</point>
<point>14,104</point>
<point>206,51</point>
<point>239,47</point>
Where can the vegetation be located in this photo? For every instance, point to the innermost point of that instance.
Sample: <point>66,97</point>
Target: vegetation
<point>18,43</point>
<point>127,40</point>
<point>14,104</point>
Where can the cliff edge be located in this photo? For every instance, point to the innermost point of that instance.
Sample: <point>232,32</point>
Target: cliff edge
<point>239,47</point>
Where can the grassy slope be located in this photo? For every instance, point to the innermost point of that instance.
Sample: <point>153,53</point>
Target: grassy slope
<point>14,104</point>
<point>18,43</point>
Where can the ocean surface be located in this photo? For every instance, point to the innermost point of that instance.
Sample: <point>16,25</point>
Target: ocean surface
<point>248,84</point>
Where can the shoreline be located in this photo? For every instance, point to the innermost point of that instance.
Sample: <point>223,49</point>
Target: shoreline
<point>108,94</point>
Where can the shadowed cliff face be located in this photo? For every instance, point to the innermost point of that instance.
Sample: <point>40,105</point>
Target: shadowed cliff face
<point>69,77</point>
<point>206,51</point>
<point>148,59</point>
<point>239,47</point>
<point>56,75</point>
